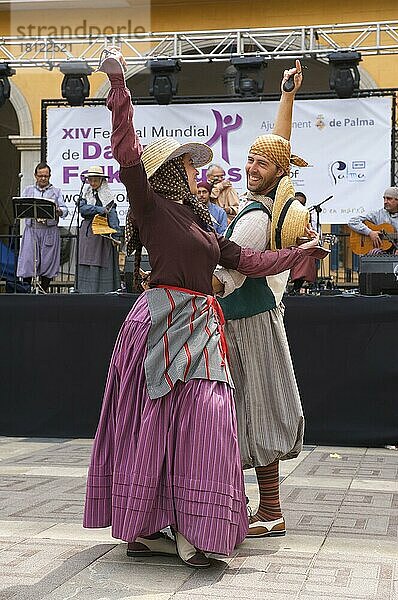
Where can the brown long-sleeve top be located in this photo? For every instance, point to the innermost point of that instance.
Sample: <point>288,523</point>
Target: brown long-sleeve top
<point>180,251</point>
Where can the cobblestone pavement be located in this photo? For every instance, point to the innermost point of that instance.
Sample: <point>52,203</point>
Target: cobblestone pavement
<point>340,504</point>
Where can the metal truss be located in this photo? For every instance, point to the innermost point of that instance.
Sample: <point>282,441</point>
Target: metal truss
<point>315,41</point>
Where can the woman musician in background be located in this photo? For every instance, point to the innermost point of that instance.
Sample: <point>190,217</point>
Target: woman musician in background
<point>98,256</point>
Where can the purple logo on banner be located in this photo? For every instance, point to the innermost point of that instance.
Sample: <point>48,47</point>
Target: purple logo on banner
<point>223,127</point>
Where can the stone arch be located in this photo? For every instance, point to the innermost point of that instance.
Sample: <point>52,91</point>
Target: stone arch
<point>367,82</point>
<point>22,109</point>
<point>25,142</point>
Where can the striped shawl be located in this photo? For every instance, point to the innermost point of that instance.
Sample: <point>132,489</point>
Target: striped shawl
<point>186,340</point>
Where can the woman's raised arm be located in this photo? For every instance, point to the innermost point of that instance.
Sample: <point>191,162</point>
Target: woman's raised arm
<point>125,143</point>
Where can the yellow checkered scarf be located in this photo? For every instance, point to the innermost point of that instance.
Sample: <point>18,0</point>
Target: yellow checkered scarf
<point>278,150</point>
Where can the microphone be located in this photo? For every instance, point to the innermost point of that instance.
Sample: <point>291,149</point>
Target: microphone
<point>288,86</point>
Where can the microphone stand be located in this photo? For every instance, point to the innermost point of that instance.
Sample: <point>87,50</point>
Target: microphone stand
<point>77,207</point>
<point>317,208</point>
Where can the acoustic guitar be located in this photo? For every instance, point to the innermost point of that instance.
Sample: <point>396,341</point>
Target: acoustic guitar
<point>362,244</point>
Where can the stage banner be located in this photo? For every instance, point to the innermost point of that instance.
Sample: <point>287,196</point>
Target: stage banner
<point>347,144</point>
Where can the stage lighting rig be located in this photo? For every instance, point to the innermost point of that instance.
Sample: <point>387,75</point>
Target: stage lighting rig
<point>5,88</point>
<point>75,85</point>
<point>344,73</point>
<point>248,81</point>
<point>164,82</point>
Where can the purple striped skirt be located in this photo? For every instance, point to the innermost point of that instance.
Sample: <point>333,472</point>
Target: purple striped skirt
<point>170,461</point>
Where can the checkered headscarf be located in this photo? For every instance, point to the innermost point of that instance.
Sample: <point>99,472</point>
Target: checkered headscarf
<point>171,182</point>
<point>278,150</point>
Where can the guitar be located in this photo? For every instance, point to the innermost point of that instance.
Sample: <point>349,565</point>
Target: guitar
<point>325,238</point>
<point>329,238</point>
<point>362,244</point>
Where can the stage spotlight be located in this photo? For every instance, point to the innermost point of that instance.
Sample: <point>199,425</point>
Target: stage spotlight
<point>164,83</point>
<point>5,88</point>
<point>248,81</point>
<point>75,85</point>
<point>344,74</point>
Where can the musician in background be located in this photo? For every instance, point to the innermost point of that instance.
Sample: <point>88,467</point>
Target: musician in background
<point>218,214</point>
<point>98,256</point>
<point>388,214</point>
<point>41,238</point>
<point>222,193</point>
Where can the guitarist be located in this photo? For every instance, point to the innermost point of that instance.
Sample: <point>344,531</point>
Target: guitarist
<point>388,214</point>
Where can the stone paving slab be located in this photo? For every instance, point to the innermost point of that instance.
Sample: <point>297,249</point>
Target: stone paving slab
<point>357,546</point>
<point>40,578</point>
<point>375,485</point>
<point>23,529</point>
<point>134,576</point>
<point>371,499</point>
<point>340,450</point>
<point>75,531</point>
<point>71,592</point>
<point>338,483</point>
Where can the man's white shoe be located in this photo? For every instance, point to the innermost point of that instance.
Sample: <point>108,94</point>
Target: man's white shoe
<point>267,528</point>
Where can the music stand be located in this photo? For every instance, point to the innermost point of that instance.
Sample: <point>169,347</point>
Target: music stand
<point>34,208</point>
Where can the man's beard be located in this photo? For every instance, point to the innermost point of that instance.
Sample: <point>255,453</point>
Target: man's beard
<point>264,188</point>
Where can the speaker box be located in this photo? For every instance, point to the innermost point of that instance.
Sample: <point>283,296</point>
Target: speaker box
<point>378,275</point>
<point>373,284</point>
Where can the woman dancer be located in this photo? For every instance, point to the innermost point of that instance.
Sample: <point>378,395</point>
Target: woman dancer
<point>166,452</point>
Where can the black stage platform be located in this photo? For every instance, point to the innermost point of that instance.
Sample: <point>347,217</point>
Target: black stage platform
<point>55,350</point>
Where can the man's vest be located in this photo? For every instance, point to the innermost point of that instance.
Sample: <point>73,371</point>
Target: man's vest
<point>254,296</point>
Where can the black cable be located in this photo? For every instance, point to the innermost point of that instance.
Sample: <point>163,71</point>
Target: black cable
<point>77,208</point>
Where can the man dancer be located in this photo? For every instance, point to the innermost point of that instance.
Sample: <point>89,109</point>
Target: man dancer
<point>41,239</point>
<point>269,413</point>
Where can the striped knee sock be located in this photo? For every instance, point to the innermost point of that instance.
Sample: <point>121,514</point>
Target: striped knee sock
<point>268,485</point>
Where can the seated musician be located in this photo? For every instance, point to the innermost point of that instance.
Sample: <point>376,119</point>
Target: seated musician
<point>388,214</point>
